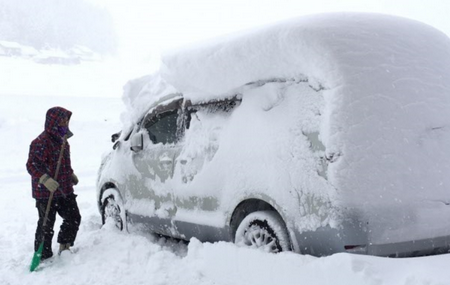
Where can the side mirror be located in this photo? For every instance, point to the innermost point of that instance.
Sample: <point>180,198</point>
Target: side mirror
<point>115,136</point>
<point>137,142</point>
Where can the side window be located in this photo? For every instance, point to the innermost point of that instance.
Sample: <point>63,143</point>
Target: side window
<point>162,128</point>
<point>214,107</point>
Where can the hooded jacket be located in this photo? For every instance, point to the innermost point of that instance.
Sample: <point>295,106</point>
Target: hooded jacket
<point>44,154</point>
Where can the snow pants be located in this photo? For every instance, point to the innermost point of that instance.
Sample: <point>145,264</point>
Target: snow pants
<point>67,208</point>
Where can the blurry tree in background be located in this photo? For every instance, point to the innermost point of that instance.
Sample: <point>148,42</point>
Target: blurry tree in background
<point>57,24</point>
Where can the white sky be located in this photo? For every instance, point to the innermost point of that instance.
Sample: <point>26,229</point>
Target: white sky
<point>147,27</point>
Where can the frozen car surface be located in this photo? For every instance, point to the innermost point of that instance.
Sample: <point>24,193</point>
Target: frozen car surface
<point>322,134</point>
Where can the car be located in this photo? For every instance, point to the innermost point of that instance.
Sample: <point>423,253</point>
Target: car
<point>322,134</point>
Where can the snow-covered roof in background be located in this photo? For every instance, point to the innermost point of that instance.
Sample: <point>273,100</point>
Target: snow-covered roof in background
<point>24,49</point>
<point>53,53</point>
<point>28,50</point>
<point>81,50</point>
<point>10,44</point>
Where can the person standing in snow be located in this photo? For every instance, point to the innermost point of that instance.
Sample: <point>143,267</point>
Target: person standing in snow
<point>42,163</point>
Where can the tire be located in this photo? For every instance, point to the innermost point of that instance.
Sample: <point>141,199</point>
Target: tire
<point>264,230</point>
<point>112,210</point>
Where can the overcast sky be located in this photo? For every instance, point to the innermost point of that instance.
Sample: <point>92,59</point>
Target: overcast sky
<point>147,27</point>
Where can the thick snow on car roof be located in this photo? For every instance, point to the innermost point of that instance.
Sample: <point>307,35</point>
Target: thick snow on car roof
<point>338,49</point>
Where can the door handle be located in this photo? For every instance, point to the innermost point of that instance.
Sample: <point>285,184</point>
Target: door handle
<point>166,160</point>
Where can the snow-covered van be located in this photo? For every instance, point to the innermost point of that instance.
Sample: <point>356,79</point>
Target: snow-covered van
<point>323,134</point>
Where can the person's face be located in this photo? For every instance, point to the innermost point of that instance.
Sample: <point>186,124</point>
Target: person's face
<point>64,122</point>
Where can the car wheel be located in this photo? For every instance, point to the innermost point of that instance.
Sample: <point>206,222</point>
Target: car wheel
<point>264,230</point>
<point>111,210</point>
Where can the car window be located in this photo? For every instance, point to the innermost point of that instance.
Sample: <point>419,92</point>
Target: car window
<point>219,106</point>
<point>162,128</point>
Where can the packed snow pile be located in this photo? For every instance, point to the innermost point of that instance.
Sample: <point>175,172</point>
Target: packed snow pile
<point>385,84</point>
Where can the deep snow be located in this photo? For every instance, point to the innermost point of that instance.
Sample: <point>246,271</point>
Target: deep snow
<point>106,256</point>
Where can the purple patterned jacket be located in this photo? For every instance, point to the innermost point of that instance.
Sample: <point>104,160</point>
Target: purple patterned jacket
<point>44,154</point>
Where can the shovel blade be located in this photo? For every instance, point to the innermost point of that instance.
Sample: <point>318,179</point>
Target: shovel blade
<point>37,257</point>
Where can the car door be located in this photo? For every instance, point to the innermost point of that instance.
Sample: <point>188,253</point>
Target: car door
<point>197,201</point>
<point>154,150</point>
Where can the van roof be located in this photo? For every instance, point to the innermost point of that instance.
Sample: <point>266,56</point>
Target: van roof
<point>370,51</point>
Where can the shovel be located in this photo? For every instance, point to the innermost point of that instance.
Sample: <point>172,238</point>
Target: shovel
<point>37,255</point>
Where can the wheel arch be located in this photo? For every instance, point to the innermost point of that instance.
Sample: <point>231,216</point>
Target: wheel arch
<point>109,189</point>
<point>244,208</point>
<point>251,205</point>
<point>106,186</point>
